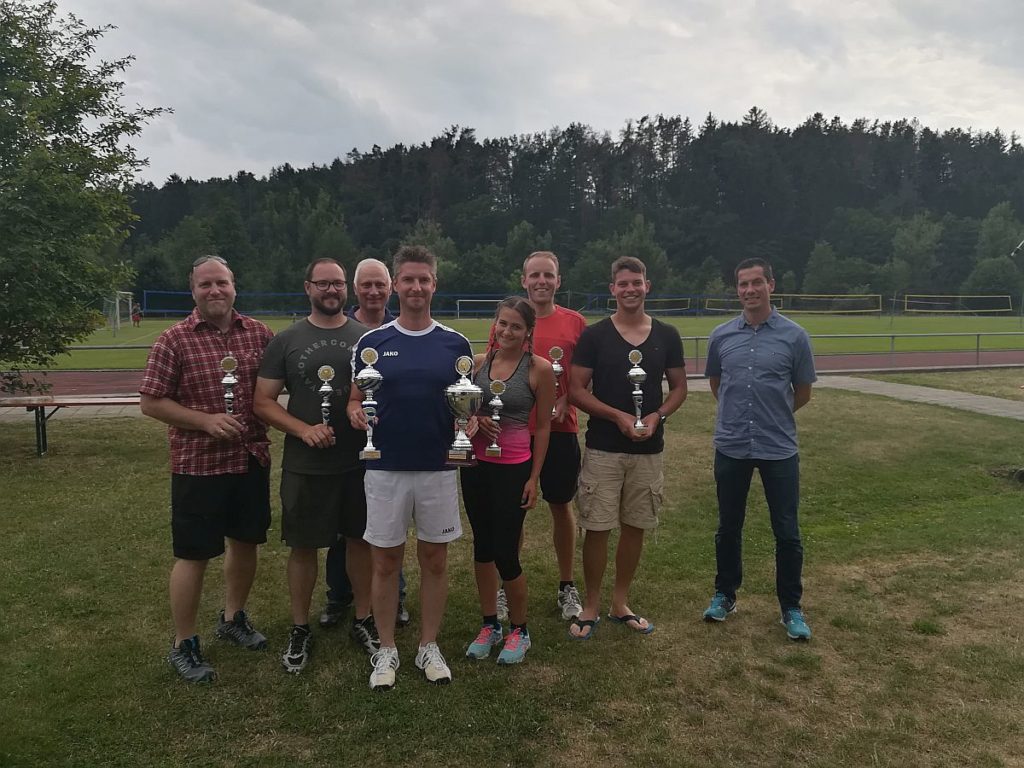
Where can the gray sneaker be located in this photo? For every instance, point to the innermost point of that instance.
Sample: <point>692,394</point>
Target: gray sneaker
<point>502,605</point>
<point>364,632</point>
<point>569,602</point>
<point>189,663</point>
<point>240,632</point>
<point>296,655</point>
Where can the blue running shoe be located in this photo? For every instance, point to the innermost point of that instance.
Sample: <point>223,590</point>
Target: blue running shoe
<point>489,636</point>
<point>795,624</point>
<point>720,608</point>
<point>516,645</point>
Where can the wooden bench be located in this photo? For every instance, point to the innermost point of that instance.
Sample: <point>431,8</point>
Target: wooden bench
<point>39,404</point>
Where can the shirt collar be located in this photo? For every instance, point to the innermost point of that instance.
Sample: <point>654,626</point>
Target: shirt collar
<point>770,321</point>
<point>195,320</point>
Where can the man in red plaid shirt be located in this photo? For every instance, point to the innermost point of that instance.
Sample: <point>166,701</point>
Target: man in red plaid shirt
<point>220,462</point>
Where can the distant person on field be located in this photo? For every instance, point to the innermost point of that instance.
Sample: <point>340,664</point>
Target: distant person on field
<point>372,285</point>
<point>761,371</point>
<point>136,315</point>
<point>322,494</point>
<point>220,463</point>
<point>622,477</point>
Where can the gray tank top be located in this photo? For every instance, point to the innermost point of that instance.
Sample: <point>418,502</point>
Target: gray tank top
<point>517,398</point>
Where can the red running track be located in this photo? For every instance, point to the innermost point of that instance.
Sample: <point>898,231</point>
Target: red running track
<point>127,382</point>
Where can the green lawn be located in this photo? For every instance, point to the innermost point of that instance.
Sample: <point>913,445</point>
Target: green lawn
<point>993,382</point>
<point>912,587</point>
<point>477,329</point>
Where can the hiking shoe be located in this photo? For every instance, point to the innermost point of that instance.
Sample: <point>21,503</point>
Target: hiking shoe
<point>502,606</point>
<point>300,647</point>
<point>385,664</point>
<point>332,614</point>
<point>489,636</point>
<point>364,632</point>
<point>569,602</point>
<point>516,645</point>
<point>795,624</point>
<point>240,632</point>
<point>189,663</point>
<point>430,660</point>
<point>403,613</point>
<point>720,608</point>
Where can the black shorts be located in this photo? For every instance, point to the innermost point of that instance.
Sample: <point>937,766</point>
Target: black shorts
<point>317,509</point>
<point>560,474</point>
<point>207,508</point>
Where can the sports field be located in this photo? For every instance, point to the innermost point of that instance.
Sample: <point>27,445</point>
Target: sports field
<point>912,586</point>
<point>817,325</point>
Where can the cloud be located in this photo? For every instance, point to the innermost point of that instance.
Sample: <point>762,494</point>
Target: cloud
<point>257,83</point>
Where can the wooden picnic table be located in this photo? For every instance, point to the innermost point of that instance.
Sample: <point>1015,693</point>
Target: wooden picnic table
<point>39,404</point>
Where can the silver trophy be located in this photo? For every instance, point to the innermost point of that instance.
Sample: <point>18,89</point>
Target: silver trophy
<point>555,353</point>
<point>228,365</point>
<point>464,398</point>
<point>369,380</point>
<point>637,376</point>
<point>326,374</point>
<point>497,389</point>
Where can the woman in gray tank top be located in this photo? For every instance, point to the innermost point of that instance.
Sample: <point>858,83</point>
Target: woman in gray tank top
<point>500,489</point>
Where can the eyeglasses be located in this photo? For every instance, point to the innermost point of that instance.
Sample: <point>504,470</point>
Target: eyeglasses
<point>323,285</point>
<point>203,259</point>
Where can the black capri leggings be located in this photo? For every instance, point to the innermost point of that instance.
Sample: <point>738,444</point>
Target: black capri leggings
<point>492,494</point>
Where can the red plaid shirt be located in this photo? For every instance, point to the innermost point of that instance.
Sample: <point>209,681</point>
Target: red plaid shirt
<point>184,365</point>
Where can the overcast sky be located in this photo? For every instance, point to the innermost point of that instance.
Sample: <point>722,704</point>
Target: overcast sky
<point>258,83</point>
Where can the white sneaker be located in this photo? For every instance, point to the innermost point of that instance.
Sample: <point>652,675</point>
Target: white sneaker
<point>385,664</point>
<point>502,606</point>
<point>430,660</point>
<point>569,602</point>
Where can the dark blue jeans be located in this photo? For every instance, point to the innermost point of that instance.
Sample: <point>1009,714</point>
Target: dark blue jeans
<point>781,480</point>
<point>339,588</point>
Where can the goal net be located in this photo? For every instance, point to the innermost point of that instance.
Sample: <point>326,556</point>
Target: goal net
<point>807,303</point>
<point>118,310</point>
<point>672,305</point>
<point>960,304</point>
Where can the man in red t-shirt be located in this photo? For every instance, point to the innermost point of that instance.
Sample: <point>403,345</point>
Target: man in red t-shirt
<point>558,327</point>
<point>220,461</point>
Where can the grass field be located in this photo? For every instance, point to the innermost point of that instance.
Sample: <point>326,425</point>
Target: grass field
<point>913,581</point>
<point>817,325</point>
<point>994,383</point>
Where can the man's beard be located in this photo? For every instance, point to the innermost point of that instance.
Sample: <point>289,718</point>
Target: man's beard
<point>324,309</point>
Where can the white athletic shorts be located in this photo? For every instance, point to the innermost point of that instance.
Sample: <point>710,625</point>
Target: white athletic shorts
<point>395,499</point>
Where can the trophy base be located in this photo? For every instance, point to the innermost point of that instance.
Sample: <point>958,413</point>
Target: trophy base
<point>461,458</point>
<point>366,455</point>
<point>494,452</point>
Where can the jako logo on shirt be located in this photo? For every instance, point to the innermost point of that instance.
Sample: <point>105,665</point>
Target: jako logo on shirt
<point>389,353</point>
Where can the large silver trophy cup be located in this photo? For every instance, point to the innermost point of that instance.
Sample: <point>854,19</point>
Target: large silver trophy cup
<point>369,380</point>
<point>637,376</point>
<point>464,398</point>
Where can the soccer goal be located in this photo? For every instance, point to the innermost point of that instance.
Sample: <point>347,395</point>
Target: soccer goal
<point>672,305</point>
<point>808,303</point>
<point>118,309</point>
<point>959,304</point>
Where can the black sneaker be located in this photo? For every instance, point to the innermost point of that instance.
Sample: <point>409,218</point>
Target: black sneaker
<point>240,632</point>
<point>364,632</point>
<point>189,663</point>
<point>332,614</point>
<point>402,618</point>
<point>300,647</point>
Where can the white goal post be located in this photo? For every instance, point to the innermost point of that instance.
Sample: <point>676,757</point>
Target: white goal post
<point>118,309</point>
<point>958,304</point>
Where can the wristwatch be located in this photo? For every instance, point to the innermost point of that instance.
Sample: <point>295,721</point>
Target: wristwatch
<point>662,415</point>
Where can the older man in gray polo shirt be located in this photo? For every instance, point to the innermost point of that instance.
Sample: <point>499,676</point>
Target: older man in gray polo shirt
<point>761,370</point>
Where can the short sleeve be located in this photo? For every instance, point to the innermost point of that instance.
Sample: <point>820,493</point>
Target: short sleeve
<point>803,362</point>
<point>713,363</point>
<point>273,364</point>
<point>585,355</point>
<point>160,378</point>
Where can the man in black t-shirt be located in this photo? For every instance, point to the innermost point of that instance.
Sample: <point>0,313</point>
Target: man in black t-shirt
<point>621,479</point>
<point>322,494</point>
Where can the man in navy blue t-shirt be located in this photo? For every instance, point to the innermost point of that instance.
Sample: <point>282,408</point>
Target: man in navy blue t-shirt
<point>410,481</point>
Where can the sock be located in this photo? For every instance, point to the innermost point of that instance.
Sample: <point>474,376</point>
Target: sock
<point>492,620</point>
<point>303,627</point>
<point>521,627</point>
<point>563,584</point>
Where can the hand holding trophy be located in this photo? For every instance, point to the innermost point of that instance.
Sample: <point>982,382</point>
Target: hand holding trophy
<point>464,398</point>
<point>369,380</point>
<point>637,376</point>
<point>228,364</point>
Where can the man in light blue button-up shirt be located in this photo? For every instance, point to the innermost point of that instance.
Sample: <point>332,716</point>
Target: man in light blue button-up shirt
<point>761,371</point>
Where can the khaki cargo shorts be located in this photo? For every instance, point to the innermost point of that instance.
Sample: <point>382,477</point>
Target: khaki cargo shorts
<point>617,488</point>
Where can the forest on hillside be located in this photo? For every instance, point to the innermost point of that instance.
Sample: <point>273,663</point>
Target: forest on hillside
<point>864,207</point>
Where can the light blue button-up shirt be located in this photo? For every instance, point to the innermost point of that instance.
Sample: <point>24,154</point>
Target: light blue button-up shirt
<point>758,369</point>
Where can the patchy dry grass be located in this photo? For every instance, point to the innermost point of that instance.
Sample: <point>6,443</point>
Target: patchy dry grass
<point>995,382</point>
<point>913,583</point>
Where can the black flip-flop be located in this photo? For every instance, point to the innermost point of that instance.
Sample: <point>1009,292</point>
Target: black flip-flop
<point>581,624</point>
<point>624,620</point>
